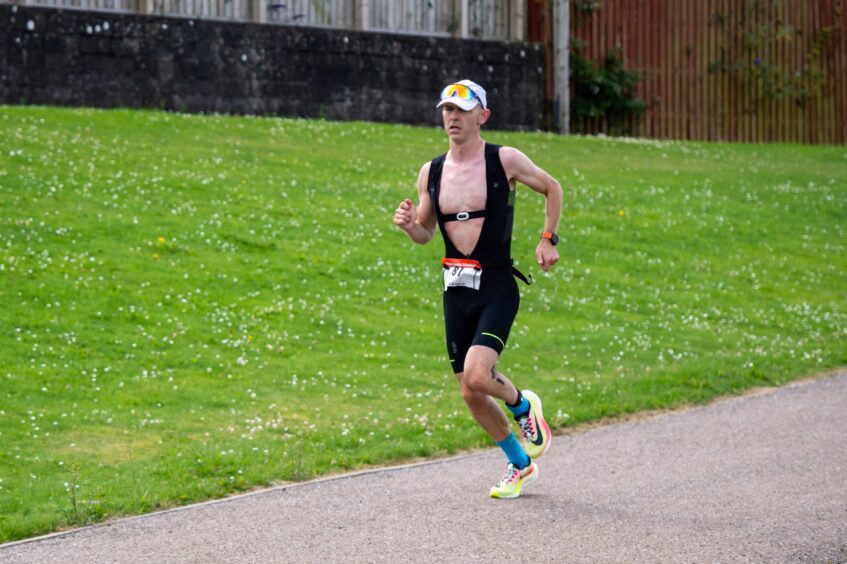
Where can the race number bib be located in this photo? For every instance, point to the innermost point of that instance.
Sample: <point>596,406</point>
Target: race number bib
<point>461,273</point>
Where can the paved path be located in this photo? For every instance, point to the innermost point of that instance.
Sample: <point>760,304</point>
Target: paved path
<point>761,478</point>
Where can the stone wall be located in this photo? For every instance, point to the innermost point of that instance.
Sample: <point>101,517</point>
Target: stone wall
<point>80,58</point>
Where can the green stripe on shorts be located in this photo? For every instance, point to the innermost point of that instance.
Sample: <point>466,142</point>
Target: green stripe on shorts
<point>495,336</point>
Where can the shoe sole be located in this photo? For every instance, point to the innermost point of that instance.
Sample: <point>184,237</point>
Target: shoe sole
<point>524,483</point>
<point>545,428</point>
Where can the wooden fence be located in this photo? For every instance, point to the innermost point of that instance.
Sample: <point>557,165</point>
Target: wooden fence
<point>484,19</point>
<point>736,70</point>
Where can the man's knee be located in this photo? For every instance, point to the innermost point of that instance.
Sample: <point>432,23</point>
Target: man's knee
<point>480,370</point>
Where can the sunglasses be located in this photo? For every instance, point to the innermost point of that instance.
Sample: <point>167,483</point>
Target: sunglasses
<point>458,90</point>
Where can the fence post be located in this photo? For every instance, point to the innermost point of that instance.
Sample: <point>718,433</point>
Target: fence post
<point>258,11</point>
<point>147,7</point>
<point>363,15</point>
<point>465,21</point>
<point>561,67</point>
<point>517,20</point>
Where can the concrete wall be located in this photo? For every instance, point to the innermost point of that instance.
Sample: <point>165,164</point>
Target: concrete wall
<point>79,58</point>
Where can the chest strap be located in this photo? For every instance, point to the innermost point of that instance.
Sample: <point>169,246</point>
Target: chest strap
<point>462,216</point>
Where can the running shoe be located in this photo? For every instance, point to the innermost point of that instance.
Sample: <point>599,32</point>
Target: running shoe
<point>534,428</point>
<point>513,480</point>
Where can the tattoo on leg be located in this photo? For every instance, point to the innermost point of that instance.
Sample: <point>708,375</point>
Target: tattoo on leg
<point>495,377</point>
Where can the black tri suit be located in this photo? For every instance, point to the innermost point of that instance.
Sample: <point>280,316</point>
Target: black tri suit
<point>483,316</point>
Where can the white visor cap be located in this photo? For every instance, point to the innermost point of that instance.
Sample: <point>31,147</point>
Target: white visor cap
<point>456,100</point>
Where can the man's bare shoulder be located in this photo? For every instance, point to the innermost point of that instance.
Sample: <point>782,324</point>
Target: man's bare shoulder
<point>513,161</point>
<point>511,155</point>
<point>423,175</point>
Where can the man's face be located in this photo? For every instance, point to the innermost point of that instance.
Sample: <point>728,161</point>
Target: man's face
<point>462,125</point>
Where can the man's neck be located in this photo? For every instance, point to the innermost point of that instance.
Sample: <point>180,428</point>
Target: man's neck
<point>462,152</point>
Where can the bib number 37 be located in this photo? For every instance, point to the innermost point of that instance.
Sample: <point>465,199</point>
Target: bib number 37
<point>461,273</point>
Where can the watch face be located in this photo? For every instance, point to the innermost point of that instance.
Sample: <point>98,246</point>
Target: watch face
<point>554,239</point>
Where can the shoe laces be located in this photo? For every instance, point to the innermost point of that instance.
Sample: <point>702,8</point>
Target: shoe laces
<point>511,474</point>
<point>527,425</point>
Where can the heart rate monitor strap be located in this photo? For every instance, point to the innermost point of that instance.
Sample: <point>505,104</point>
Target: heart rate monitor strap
<point>463,216</point>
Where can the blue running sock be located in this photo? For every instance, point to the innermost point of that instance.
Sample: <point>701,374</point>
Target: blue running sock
<point>521,406</point>
<point>514,452</point>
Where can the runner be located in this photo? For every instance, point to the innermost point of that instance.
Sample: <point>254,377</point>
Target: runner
<point>470,193</point>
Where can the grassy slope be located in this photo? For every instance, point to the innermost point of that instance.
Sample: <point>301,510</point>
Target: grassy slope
<point>194,305</point>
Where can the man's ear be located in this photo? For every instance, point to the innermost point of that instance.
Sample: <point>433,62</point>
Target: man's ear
<point>484,115</point>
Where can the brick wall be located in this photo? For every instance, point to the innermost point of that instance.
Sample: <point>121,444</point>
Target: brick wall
<point>79,58</point>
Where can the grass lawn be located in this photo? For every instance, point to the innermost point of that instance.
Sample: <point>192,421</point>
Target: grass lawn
<point>192,306</point>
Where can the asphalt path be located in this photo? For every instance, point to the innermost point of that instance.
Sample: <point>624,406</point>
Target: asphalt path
<point>758,478</point>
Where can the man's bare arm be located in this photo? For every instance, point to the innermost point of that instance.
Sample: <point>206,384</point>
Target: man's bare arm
<point>418,222</point>
<point>520,168</point>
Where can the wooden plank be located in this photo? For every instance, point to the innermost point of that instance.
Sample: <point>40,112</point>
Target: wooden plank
<point>678,45</point>
<point>803,63</point>
<point>646,45</point>
<point>748,90</point>
<point>748,116</point>
<point>655,72</point>
<point>596,34</point>
<point>708,77</point>
<point>689,82</point>
<point>631,12</point>
<point>799,51</point>
<point>822,102</point>
<point>651,68</point>
<point>686,57</point>
<point>701,63</point>
<point>669,60</point>
<point>830,114</point>
<point>732,92</point>
<point>840,79</point>
<point>632,54</point>
<point>771,107</point>
<point>731,84</point>
<point>819,111</point>
<point>638,40</point>
<point>679,40</point>
<point>640,37</point>
<point>665,59</point>
<point>789,63</point>
<point>608,35</point>
<point>836,76</point>
<point>720,121</point>
<point>780,115</point>
<point>695,111</point>
<point>720,101</point>
<point>796,58</point>
<point>464,25</point>
<point>701,69</point>
<point>817,114</point>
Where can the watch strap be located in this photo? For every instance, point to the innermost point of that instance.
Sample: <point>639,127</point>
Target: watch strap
<point>554,238</point>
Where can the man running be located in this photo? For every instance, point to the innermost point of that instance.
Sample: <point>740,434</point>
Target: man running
<point>470,193</point>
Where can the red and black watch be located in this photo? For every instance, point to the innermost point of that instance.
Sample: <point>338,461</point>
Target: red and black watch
<point>554,239</point>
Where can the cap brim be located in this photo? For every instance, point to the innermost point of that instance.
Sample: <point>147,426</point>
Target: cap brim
<point>459,102</point>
